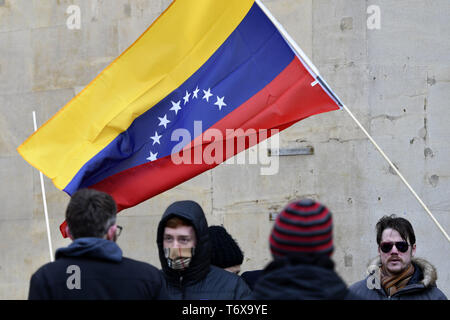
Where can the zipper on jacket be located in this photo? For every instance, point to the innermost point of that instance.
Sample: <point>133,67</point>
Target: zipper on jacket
<point>181,287</point>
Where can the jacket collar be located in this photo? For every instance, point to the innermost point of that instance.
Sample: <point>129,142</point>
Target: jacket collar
<point>428,270</point>
<point>300,277</point>
<point>91,248</point>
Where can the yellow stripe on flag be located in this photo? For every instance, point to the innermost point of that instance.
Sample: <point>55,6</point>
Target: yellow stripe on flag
<point>178,43</point>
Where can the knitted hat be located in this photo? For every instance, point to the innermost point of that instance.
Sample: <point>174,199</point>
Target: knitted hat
<point>225,252</point>
<point>303,226</point>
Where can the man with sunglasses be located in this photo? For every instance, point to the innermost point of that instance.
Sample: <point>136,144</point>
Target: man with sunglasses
<point>396,273</point>
<point>92,266</point>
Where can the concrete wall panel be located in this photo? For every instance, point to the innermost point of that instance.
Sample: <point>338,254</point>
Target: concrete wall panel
<point>395,79</point>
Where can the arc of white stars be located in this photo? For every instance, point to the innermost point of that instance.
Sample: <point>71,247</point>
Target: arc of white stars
<point>156,138</point>
<point>220,102</point>
<point>195,93</point>
<point>152,156</point>
<point>207,94</point>
<point>163,121</point>
<point>176,106</point>
<point>186,97</point>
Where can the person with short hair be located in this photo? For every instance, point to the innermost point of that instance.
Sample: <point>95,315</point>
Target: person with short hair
<point>185,255</point>
<point>92,266</point>
<point>396,273</point>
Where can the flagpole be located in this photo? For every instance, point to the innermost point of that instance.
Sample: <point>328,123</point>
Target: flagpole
<point>397,172</point>
<point>315,72</point>
<point>44,201</point>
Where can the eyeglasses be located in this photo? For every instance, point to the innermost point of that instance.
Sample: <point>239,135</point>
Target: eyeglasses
<point>401,246</point>
<point>118,230</point>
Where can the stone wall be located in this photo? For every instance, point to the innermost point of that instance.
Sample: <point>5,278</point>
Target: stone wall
<point>394,78</point>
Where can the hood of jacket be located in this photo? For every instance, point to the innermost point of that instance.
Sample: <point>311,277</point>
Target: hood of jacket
<point>297,278</point>
<point>97,248</point>
<point>428,270</point>
<point>200,263</point>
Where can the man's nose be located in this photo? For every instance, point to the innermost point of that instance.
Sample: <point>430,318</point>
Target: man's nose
<point>394,250</point>
<point>176,244</point>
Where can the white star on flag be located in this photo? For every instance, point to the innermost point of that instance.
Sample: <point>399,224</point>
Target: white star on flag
<point>176,107</point>
<point>207,94</point>
<point>186,97</point>
<point>152,156</point>
<point>195,92</point>
<point>220,102</point>
<point>156,138</point>
<point>163,121</point>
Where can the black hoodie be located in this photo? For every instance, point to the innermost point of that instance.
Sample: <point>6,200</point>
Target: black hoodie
<point>200,280</point>
<point>103,274</point>
<point>301,277</point>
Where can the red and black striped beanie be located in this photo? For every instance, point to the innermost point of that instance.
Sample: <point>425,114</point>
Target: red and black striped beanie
<point>303,226</point>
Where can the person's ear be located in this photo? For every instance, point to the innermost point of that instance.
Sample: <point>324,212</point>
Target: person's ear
<point>111,233</point>
<point>68,233</point>
<point>413,250</point>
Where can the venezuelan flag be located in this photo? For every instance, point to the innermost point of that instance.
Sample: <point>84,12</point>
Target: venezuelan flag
<point>219,62</point>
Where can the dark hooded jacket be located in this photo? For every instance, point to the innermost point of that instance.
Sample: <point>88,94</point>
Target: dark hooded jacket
<point>200,281</point>
<point>102,271</point>
<point>301,277</point>
<point>421,286</point>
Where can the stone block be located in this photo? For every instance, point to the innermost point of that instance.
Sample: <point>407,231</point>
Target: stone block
<point>411,33</point>
<point>16,62</point>
<point>252,235</point>
<point>339,32</point>
<point>16,188</point>
<point>64,58</point>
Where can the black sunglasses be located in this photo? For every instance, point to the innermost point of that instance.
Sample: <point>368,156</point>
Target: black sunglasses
<point>401,246</point>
